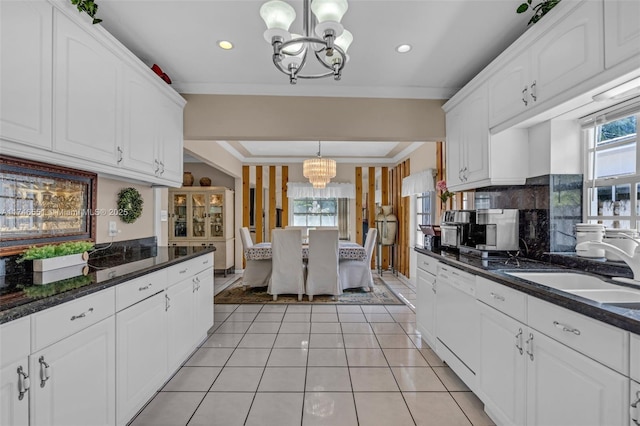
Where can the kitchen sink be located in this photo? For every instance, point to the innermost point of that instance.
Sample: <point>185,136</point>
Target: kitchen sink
<point>608,296</point>
<point>565,280</point>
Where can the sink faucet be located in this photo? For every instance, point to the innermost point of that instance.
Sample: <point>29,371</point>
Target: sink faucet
<point>632,261</point>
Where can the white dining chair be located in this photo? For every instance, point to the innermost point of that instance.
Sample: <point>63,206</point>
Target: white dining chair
<point>256,272</point>
<point>287,274</point>
<point>357,273</point>
<point>322,264</point>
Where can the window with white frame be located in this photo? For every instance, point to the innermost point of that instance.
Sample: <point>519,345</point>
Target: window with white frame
<point>321,212</point>
<point>612,178</point>
<point>424,213</point>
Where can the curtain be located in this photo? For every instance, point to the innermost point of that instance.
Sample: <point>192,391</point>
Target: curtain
<point>332,190</point>
<point>418,183</point>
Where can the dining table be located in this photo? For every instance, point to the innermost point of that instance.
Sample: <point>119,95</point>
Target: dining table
<point>347,250</point>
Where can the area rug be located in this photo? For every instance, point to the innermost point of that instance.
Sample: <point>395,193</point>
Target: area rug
<point>380,295</point>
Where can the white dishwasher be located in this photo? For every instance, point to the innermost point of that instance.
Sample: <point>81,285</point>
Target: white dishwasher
<point>457,316</point>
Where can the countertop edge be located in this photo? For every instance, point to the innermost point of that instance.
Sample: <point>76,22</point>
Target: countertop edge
<point>617,317</point>
<point>46,303</point>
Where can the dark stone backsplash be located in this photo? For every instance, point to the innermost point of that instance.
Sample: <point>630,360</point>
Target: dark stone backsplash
<point>549,208</point>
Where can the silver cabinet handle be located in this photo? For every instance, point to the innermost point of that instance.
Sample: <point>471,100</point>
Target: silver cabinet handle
<point>497,296</point>
<point>205,262</point>
<point>195,285</point>
<point>146,287</point>
<point>433,286</point>
<point>519,340</point>
<point>529,343</point>
<point>82,315</point>
<point>23,383</point>
<point>184,271</point>
<point>635,409</point>
<point>157,164</point>
<point>534,88</point>
<point>167,305</point>
<point>161,168</point>
<point>524,96</point>
<point>45,371</point>
<point>120,152</point>
<point>566,328</point>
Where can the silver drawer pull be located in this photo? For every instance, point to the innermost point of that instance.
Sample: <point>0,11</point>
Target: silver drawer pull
<point>183,271</point>
<point>205,262</point>
<point>23,383</point>
<point>146,287</point>
<point>519,340</point>
<point>529,344</point>
<point>45,371</point>
<point>82,315</point>
<point>497,296</point>
<point>566,328</point>
<point>635,409</point>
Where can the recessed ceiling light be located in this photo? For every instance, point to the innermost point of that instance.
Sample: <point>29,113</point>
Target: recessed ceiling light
<point>403,48</point>
<point>226,45</point>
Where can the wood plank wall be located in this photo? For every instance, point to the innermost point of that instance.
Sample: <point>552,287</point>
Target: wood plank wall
<point>406,212</point>
<point>272,199</point>
<point>284,173</point>
<point>371,207</point>
<point>359,218</point>
<point>245,200</point>
<point>384,179</point>
<point>259,205</point>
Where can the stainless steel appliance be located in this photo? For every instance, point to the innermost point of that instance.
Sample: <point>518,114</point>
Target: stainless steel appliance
<point>454,227</point>
<point>494,229</point>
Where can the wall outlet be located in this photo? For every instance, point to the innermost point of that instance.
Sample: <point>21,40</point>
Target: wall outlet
<point>113,230</point>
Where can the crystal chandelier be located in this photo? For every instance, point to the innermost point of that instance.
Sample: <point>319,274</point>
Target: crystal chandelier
<point>319,170</point>
<point>324,37</point>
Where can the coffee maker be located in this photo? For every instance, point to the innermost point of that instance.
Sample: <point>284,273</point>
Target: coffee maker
<point>494,229</point>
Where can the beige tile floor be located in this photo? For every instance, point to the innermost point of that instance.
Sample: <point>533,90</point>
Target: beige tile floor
<point>278,365</point>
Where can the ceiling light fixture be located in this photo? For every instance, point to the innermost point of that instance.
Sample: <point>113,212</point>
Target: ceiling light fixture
<point>323,36</point>
<point>319,170</point>
<point>226,45</point>
<point>403,48</point>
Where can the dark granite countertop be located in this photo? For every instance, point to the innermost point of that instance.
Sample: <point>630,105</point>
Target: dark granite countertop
<point>19,296</point>
<point>496,270</point>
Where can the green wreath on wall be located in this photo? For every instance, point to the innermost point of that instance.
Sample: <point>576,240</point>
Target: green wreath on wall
<point>129,205</point>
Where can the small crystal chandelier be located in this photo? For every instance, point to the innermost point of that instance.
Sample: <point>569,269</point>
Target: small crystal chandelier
<point>291,51</point>
<point>319,170</point>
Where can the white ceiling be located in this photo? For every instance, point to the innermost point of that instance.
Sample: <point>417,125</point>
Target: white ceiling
<point>452,41</point>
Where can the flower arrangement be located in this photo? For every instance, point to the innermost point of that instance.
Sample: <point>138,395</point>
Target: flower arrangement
<point>441,185</point>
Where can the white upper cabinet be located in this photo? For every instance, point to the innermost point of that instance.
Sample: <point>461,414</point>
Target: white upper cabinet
<point>25,72</point>
<point>170,142</point>
<point>87,87</point>
<point>565,55</point>
<point>622,32</point>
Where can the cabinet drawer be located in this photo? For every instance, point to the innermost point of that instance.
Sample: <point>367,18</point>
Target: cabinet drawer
<point>54,324</point>
<point>188,268</point>
<point>428,264</point>
<point>506,300</point>
<point>635,357</point>
<point>140,288</point>
<point>602,342</point>
<point>14,340</point>
<point>457,278</point>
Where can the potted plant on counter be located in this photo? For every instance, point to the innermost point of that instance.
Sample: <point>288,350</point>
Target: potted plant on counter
<point>55,256</point>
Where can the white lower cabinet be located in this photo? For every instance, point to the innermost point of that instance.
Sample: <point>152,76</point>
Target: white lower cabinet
<point>426,306</point>
<point>567,388</point>
<point>528,378</point>
<point>634,419</point>
<point>203,303</point>
<point>73,380</point>
<point>502,372</point>
<point>180,322</point>
<point>141,354</point>
<point>14,373</point>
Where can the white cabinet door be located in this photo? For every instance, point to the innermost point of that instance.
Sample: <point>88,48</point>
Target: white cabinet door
<point>25,72</point>
<point>203,303</point>
<point>502,372</point>
<point>622,32</point>
<point>170,140</point>
<point>80,388</point>
<point>140,125</point>
<point>509,89</point>
<point>426,307</point>
<point>476,136</point>
<point>569,53</point>
<point>14,405</point>
<point>454,158</point>
<point>634,419</point>
<point>180,326</point>
<point>567,388</point>
<point>141,355</point>
<point>87,87</point>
